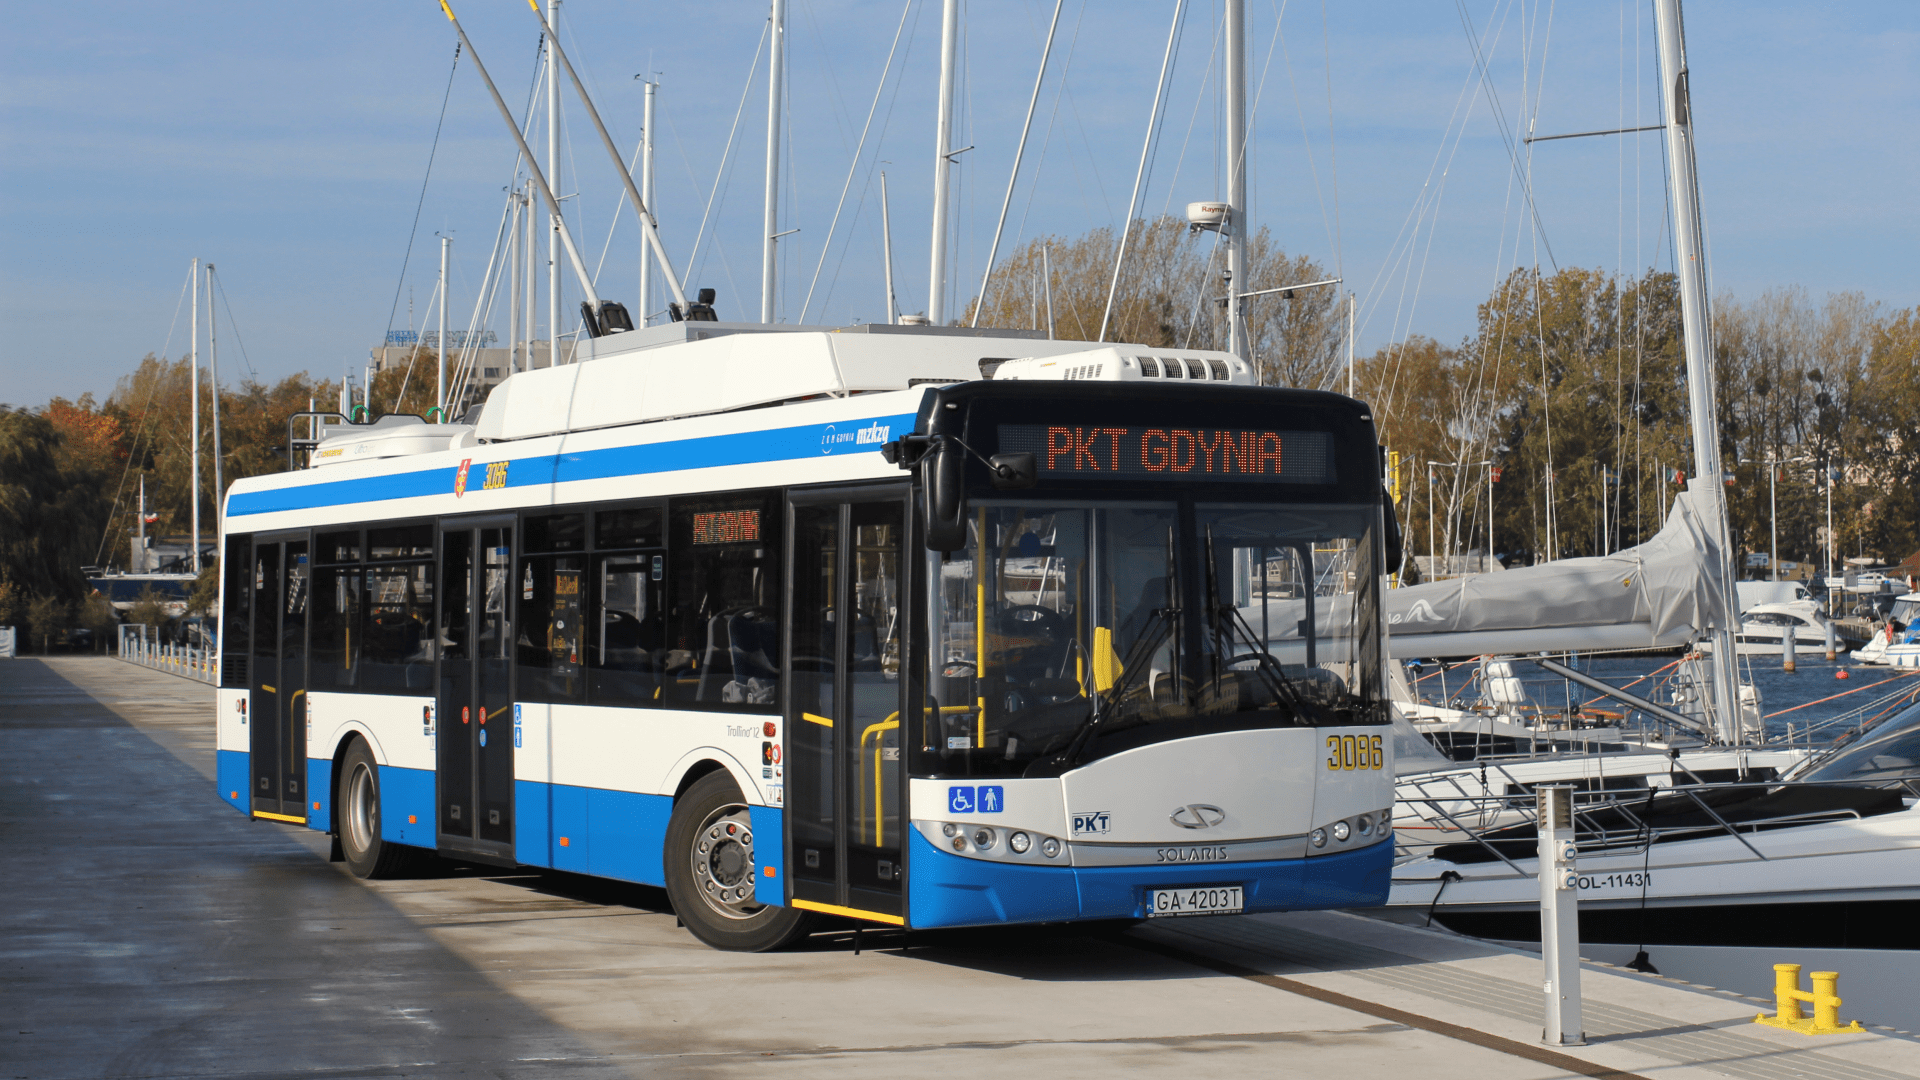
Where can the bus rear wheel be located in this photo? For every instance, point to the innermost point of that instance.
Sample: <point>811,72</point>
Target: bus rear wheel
<point>357,809</point>
<point>712,874</point>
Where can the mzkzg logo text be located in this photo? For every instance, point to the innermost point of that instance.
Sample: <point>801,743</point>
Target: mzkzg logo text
<point>834,441</point>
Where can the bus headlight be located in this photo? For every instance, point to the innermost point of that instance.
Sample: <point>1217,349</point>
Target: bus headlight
<point>983,838</point>
<point>1019,842</point>
<point>1319,837</point>
<point>1050,847</point>
<point>1341,830</point>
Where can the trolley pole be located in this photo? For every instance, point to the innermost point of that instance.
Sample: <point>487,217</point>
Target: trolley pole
<point>1559,918</point>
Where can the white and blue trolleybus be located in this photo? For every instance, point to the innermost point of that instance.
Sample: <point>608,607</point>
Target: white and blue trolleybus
<point>922,627</point>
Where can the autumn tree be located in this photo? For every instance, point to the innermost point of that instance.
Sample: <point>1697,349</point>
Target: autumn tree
<point>1167,297</point>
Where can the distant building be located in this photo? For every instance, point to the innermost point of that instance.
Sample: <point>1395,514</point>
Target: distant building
<point>492,362</point>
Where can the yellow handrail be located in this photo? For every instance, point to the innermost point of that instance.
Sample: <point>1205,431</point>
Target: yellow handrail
<point>891,723</point>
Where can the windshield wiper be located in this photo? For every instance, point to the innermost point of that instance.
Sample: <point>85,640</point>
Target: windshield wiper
<point>1161,623</point>
<point>1229,626</point>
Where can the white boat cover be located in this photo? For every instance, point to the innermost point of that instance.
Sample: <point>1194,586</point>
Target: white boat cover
<point>1659,594</point>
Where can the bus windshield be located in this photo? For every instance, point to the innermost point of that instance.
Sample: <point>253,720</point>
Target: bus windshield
<point>1069,631</point>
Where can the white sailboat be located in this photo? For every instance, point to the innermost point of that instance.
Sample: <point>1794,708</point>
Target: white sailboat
<point>1827,854</point>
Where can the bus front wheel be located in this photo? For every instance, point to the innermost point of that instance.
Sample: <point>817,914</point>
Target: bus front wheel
<point>712,875</point>
<point>357,804</point>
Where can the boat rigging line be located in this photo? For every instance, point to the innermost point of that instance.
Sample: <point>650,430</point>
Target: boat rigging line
<point>726,153</point>
<point>1013,176</point>
<point>146,417</point>
<point>1140,173</point>
<point>533,166</point>
<point>854,165</point>
<point>651,234</point>
<point>432,152</point>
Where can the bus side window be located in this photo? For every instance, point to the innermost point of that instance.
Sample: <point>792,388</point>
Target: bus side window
<point>335,663</point>
<point>396,651</point>
<point>723,621</point>
<point>337,635</point>
<point>235,625</point>
<point>626,644</point>
<point>550,636</point>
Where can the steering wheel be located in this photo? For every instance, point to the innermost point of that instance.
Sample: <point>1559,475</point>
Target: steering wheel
<point>1034,620</point>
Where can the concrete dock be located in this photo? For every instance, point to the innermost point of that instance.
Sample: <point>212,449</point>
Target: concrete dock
<point>150,931</point>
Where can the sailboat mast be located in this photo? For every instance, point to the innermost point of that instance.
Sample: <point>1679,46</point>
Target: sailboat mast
<point>213,377</point>
<point>193,410</point>
<point>513,278</point>
<point>769,240</point>
<point>1234,234</point>
<point>441,398</point>
<point>1697,331</point>
<point>646,196</point>
<point>943,162</point>
<point>886,249</point>
<point>554,223</point>
<point>531,301</point>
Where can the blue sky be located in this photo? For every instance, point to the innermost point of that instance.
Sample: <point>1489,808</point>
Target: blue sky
<point>287,144</point>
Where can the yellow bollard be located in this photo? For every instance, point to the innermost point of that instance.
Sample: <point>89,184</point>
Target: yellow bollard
<point>1825,999</point>
<point>1786,993</point>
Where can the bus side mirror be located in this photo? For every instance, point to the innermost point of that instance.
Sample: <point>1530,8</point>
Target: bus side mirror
<point>942,471</point>
<point>1014,472</point>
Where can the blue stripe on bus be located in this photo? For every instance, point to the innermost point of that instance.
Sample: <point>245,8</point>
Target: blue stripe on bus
<point>234,774</point>
<point>407,793</point>
<point>532,823</point>
<point>945,889</point>
<point>610,834</point>
<point>705,452</point>
<point>320,794</point>
<point>770,851</point>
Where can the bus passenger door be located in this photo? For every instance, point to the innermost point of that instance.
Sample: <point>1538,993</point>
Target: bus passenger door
<point>277,727</point>
<point>475,700</point>
<point>843,762</point>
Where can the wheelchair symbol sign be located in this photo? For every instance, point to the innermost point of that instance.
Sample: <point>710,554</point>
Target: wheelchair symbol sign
<point>987,799</point>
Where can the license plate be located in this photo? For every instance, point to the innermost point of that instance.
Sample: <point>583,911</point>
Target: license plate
<point>1206,900</point>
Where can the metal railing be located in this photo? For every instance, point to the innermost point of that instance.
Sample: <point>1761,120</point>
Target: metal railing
<point>140,644</point>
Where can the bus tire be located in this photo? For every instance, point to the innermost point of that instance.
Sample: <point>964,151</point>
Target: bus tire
<point>357,803</point>
<point>711,872</point>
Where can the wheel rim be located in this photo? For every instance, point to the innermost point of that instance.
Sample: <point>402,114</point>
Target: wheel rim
<point>723,863</point>
<point>361,808</point>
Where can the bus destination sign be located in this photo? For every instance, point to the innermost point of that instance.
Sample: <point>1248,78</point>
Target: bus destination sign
<point>1169,453</point>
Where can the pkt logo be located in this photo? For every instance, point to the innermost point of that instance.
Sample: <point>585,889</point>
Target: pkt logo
<point>1092,824</point>
<point>1197,816</point>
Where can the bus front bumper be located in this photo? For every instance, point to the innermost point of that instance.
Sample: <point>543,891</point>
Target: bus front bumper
<point>944,889</point>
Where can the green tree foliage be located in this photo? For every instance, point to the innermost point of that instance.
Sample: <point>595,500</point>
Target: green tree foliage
<point>149,609</point>
<point>152,408</point>
<point>49,515</point>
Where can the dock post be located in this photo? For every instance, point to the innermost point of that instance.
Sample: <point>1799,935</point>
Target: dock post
<point>1559,917</point>
<point>1833,642</point>
<point>1789,649</point>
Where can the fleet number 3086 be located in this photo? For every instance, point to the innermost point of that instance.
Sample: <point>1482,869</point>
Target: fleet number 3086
<point>1354,752</point>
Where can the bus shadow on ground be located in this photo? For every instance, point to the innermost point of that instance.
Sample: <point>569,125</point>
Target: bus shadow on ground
<point>1056,952</point>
